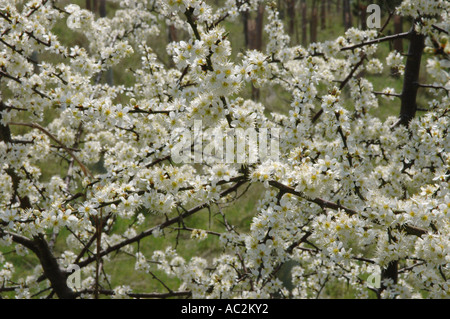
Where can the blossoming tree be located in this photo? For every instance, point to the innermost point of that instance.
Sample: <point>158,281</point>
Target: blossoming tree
<point>350,196</point>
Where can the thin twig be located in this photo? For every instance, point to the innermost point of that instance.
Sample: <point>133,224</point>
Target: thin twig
<point>85,170</point>
<point>377,41</point>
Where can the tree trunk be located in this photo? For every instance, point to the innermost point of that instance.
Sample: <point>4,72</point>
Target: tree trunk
<point>313,23</point>
<point>260,26</point>
<point>347,15</point>
<point>291,14</point>
<point>52,270</point>
<point>39,246</point>
<point>254,29</point>
<point>398,28</point>
<point>323,15</point>
<point>363,15</point>
<point>102,13</point>
<point>172,33</point>
<point>95,6</point>
<point>5,133</point>
<point>281,8</point>
<point>88,5</point>
<point>390,272</point>
<point>245,19</point>
<point>253,32</point>
<point>410,82</point>
<point>102,8</point>
<point>35,58</point>
<point>304,8</point>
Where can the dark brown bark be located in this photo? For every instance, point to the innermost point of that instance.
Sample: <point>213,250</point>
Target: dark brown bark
<point>347,12</point>
<point>253,43</point>
<point>398,28</point>
<point>291,14</point>
<point>102,13</point>
<point>253,29</point>
<point>245,18</point>
<point>260,27</point>
<point>363,15</point>
<point>390,272</point>
<point>313,23</point>
<point>88,5</point>
<point>5,136</point>
<point>411,77</point>
<point>95,6</point>
<point>5,133</point>
<point>304,8</point>
<point>102,8</point>
<point>173,36</point>
<point>52,271</point>
<point>323,14</point>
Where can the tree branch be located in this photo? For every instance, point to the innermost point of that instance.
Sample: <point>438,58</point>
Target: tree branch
<point>141,295</point>
<point>377,41</point>
<point>68,150</point>
<point>410,230</point>
<point>163,225</point>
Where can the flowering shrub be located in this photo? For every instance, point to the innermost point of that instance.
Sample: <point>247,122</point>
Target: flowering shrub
<point>350,196</point>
